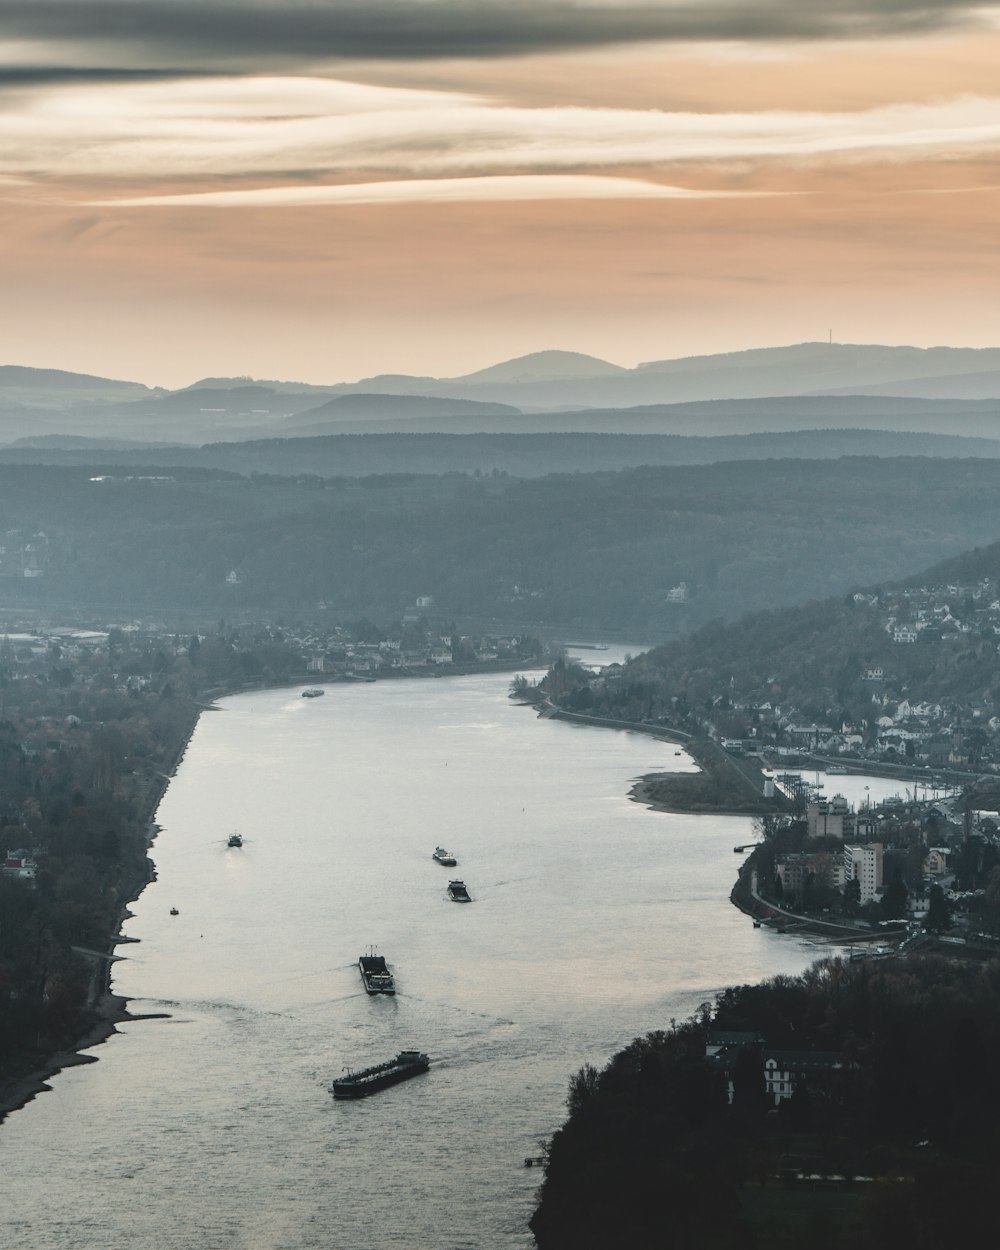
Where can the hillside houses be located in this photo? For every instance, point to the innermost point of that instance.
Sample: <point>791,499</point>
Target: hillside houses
<point>907,674</point>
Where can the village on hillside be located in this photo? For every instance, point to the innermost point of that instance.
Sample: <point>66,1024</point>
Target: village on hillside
<point>916,696</point>
<point>897,706</point>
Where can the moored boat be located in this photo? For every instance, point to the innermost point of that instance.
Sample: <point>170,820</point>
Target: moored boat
<point>375,974</point>
<point>359,1084</point>
<point>458,892</point>
<point>441,856</point>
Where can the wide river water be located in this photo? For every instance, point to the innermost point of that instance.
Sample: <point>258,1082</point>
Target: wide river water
<point>593,921</point>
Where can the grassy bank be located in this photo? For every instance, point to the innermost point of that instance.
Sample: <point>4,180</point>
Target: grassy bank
<point>725,786</point>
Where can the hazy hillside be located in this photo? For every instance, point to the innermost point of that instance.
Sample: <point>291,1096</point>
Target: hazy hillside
<point>984,384</point>
<point>425,415</point>
<point>652,551</point>
<point>966,418</point>
<point>180,416</point>
<point>56,387</point>
<point>364,409</point>
<point>521,455</point>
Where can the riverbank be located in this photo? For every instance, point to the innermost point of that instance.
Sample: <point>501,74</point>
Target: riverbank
<point>718,790</point>
<point>745,896</point>
<point>106,1010</point>
<point>725,786</point>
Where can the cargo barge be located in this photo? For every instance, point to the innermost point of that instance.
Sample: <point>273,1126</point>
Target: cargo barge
<point>369,1080</point>
<point>375,974</point>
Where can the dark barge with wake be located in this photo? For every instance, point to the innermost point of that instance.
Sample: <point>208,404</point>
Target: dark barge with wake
<point>359,1084</point>
<point>375,974</point>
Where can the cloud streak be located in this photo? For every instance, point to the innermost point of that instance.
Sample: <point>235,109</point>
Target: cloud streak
<point>495,189</point>
<point>238,32</point>
<point>318,131</point>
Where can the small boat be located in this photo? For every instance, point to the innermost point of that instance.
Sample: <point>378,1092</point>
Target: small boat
<point>441,856</point>
<point>314,692</point>
<point>174,911</point>
<point>375,974</point>
<point>458,892</point>
<point>359,1084</point>
<point>235,839</point>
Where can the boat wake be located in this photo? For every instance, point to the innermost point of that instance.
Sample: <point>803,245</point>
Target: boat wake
<point>460,1011</point>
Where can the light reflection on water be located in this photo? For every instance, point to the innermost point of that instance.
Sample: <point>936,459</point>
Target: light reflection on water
<point>593,921</point>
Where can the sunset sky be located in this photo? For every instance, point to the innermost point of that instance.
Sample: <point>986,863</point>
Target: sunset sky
<point>327,190</point>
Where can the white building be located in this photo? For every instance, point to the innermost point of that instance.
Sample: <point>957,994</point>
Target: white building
<point>864,864</point>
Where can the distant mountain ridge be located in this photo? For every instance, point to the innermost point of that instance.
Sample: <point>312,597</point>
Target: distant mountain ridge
<point>804,385</point>
<point>553,380</point>
<point>874,356</point>
<point>23,376</point>
<point>551,366</point>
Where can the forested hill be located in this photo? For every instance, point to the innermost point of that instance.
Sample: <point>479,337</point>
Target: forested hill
<point>930,638</point>
<point>520,454</point>
<point>652,550</point>
<point>885,1135</point>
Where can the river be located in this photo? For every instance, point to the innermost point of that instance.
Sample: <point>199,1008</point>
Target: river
<point>593,921</point>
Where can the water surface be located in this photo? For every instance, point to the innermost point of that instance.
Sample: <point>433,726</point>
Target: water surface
<point>593,920</point>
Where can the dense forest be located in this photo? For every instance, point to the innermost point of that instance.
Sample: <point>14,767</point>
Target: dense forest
<point>651,550</point>
<point>888,1137</point>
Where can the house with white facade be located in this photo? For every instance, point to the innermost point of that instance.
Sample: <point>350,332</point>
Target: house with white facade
<point>864,864</point>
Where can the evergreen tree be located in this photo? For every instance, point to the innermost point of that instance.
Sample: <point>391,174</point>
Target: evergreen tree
<point>893,905</point>
<point>938,916</point>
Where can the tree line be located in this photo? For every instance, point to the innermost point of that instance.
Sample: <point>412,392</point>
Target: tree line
<point>897,1145</point>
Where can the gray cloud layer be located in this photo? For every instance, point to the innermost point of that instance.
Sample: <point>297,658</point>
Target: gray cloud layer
<point>237,33</point>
